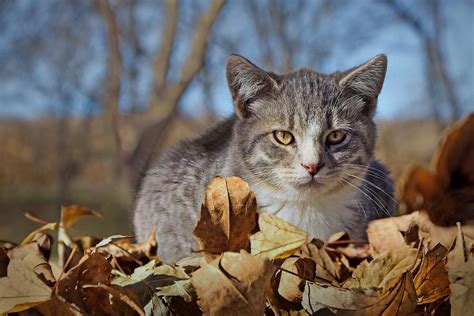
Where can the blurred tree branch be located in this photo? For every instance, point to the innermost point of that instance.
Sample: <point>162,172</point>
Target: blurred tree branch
<point>112,81</point>
<point>437,69</point>
<point>165,94</point>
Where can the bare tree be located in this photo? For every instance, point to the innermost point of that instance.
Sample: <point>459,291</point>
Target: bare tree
<point>436,69</point>
<point>165,94</point>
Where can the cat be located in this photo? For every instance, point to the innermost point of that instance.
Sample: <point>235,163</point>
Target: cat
<point>304,142</point>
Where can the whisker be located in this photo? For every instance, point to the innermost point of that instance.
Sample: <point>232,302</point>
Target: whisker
<point>375,186</point>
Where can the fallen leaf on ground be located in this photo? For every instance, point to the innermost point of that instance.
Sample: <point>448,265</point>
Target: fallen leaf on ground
<point>92,270</point>
<point>228,216</point>
<point>399,299</point>
<point>276,238</point>
<point>461,275</point>
<point>388,234</point>
<point>242,280</point>
<point>381,271</point>
<point>23,286</point>
<point>431,281</point>
<point>295,272</point>
<point>326,268</point>
<point>445,190</point>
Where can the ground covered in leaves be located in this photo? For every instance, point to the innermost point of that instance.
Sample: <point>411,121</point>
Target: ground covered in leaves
<point>253,263</point>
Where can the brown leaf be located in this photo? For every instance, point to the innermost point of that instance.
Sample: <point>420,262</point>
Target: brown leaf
<point>4,261</point>
<point>58,306</point>
<point>23,286</point>
<point>461,275</point>
<point>92,270</point>
<point>294,274</point>
<point>126,255</point>
<point>381,271</point>
<point>347,254</point>
<point>42,229</point>
<point>70,215</point>
<point>119,294</point>
<point>431,281</point>
<point>233,284</point>
<point>398,299</point>
<point>326,268</point>
<point>387,234</point>
<point>228,216</point>
<point>276,238</point>
<point>445,190</point>
<point>42,269</point>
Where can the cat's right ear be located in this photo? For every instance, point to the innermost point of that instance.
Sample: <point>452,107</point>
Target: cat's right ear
<point>247,83</point>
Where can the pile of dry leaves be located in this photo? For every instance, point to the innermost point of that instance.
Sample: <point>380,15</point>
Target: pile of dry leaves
<point>253,263</point>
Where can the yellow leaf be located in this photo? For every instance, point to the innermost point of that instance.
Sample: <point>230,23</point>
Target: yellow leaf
<point>276,238</point>
<point>228,216</point>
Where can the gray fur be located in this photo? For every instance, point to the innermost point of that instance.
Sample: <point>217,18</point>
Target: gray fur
<point>351,189</point>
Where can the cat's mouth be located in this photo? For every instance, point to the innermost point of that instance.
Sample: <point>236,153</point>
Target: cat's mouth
<point>309,183</point>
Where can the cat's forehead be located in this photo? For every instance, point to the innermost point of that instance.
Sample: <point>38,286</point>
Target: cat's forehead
<point>308,85</point>
<point>305,97</point>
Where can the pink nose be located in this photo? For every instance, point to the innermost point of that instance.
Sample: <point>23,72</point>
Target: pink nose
<point>313,168</point>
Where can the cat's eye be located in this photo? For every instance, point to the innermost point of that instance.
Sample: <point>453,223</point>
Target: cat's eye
<point>283,137</point>
<point>336,137</point>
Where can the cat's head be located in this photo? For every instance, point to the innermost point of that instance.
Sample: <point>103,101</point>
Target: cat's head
<point>305,132</point>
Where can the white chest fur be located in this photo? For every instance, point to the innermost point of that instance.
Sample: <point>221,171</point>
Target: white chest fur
<point>319,216</point>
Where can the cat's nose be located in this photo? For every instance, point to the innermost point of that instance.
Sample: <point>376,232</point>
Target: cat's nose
<point>313,168</point>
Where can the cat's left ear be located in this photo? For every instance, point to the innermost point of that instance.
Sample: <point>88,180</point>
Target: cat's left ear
<point>247,83</point>
<point>366,80</point>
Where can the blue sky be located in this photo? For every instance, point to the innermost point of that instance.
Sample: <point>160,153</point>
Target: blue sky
<point>403,95</point>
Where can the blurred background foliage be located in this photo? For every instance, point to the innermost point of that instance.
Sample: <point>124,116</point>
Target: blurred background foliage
<point>90,89</point>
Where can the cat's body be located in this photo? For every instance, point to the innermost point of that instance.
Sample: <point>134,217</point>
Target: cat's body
<point>285,142</point>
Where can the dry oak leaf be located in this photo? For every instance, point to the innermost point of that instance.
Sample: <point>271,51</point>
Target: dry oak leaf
<point>233,284</point>
<point>276,238</point>
<point>23,287</point>
<point>386,234</point>
<point>461,275</point>
<point>228,216</point>
<point>431,281</point>
<point>399,299</point>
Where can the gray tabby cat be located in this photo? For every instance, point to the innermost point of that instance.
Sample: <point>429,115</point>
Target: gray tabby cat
<point>304,142</point>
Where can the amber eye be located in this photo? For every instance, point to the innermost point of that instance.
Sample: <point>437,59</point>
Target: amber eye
<point>283,137</point>
<point>336,137</point>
